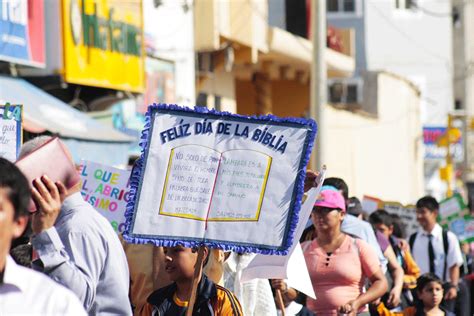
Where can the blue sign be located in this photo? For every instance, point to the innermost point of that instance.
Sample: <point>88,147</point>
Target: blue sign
<point>22,32</point>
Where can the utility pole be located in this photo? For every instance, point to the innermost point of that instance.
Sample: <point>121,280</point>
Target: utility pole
<point>318,85</point>
<point>449,160</point>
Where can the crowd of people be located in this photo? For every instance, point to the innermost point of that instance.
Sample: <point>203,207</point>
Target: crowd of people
<point>65,259</point>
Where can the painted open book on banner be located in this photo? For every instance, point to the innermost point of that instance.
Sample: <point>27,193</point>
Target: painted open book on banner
<point>218,179</point>
<point>217,196</point>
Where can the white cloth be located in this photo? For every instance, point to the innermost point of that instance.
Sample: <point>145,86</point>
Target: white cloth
<point>255,296</point>
<point>292,309</point>
<point>421,256</point>
<point>27,292</point>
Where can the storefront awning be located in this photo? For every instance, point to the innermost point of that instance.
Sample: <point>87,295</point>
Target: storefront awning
<point>286,48</point>
<point>43,112</point>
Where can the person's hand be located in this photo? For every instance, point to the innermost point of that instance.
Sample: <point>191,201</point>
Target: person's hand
<point>450,294</point>
<point>279,284</point>
<point>393,298</point>
<point>48,197</point>
<point>310,180</point>
<point>350,308</point>
<point>403,244</point>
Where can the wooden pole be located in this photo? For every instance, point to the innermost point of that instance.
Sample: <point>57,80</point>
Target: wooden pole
<point>280,303</point>
<point>196,278</point>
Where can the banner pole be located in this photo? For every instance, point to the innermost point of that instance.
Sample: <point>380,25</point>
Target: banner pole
<point>281,306</point>
<point>196,278</point>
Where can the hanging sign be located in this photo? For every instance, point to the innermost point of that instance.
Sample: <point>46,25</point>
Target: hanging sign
<point>10,131</point>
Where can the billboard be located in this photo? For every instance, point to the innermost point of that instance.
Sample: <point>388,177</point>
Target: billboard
<point>22,32</point>
<point>103,44</point>
<point>434,152</point>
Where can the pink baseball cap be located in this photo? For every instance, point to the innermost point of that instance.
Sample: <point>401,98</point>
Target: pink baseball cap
<point>331,199</point>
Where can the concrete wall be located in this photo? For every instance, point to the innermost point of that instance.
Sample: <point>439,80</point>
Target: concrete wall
<point>417,46</point>
<point>380,157</point>
<point>289,98</point>
<point>356,22</point>
<point>171,28</point>
<point>411,43</point>
<point>221,84</point>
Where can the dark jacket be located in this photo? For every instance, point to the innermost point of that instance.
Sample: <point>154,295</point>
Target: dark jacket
<point>211,300</point>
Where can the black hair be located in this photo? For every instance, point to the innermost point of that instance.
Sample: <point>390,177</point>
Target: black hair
<point>339,184</point>
<point>16,185</point>
<point>428,202</point>
<point>22,255</point>
<point>426,278</point>
<point>381,216</point>
<point>354,207</point>
<point>206,260</point>
<point>398,226</point>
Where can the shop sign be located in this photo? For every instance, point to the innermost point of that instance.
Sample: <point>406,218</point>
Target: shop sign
<point>22,32</point>
<point>433,151</point>
<point>103,43</point>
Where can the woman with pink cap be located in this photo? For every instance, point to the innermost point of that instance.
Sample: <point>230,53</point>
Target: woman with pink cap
<point>340,264</point>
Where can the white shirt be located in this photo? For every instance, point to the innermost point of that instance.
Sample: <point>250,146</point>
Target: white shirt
<point>292,309</point>
<point>421,256</point>
<point>27,292</point>
<point>255,296</point>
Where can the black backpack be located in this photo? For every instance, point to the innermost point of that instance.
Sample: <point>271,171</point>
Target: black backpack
<point>411,241</point>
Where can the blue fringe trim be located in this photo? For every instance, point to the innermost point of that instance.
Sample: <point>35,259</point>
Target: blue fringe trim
<point>295,208</point>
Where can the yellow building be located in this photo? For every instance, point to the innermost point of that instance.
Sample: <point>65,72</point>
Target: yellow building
<point>247,67</point>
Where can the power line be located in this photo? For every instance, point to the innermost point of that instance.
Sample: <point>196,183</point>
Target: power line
<point>406,36</point>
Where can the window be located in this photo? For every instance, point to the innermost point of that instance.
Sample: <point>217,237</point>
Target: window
<point>201,99</point>
<point>343,8</point>
<point>205,63</point>
<point>349,5</point>
<point>218,102</point>
<point>345,92</point>
<point>340,5</point>
<point>405,4</point>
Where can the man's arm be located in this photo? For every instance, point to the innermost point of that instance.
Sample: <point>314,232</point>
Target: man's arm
<point>454,261</point>
<point>77,268</point>
<point>397,274</point>
<point>76,265</point>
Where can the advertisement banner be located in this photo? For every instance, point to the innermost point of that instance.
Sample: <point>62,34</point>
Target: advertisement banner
<point>431,135</point>
<point>22,32</point>
<point>160,83</point>
<point>103,44</point>
<point>218,179</point>
<point>407,213</point>
<point>106,189</point>
<point>454,215</point>
<point>10,131</point>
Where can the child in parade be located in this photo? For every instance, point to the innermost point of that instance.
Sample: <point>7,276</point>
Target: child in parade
<point>211,299</point>
<point>430,293</point>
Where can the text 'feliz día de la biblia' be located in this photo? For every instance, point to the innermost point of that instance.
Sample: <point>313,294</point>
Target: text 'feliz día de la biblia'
<point>262,136</point>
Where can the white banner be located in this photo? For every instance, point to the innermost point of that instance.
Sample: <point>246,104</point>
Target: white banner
<point>10,131</point>
<point>106,189</point>
<point>221,180</point>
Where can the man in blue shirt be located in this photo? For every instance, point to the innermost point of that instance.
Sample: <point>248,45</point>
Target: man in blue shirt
<point>76,246</point>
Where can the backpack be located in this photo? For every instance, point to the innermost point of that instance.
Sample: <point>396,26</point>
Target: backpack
<point>398,252</point>
<point>413,236</point>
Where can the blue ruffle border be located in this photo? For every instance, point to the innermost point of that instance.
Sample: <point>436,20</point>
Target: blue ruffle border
<point>240,248</point>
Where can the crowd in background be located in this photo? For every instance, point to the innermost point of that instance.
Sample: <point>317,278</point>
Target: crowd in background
<point>65,259</point>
